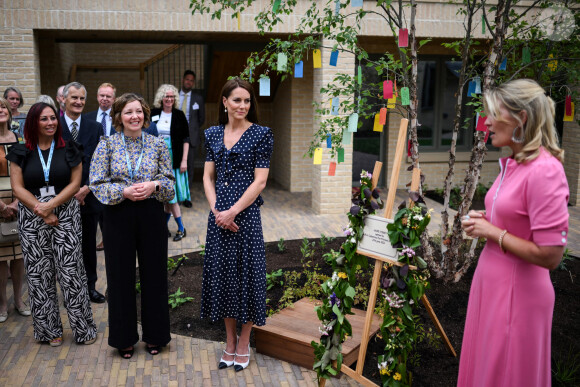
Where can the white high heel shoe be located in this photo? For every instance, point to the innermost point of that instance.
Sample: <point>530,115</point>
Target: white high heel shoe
<point>240,366</point>
<point>226,363</point>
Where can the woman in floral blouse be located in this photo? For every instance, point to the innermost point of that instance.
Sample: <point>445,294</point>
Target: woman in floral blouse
<point>131,174</point>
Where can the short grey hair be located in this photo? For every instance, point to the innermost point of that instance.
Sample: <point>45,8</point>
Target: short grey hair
<point>14,89</point>
<point>47,99</point>
<point>76,85</point>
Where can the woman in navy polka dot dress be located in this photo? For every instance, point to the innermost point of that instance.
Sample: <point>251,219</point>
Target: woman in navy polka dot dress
<point>236,170</point>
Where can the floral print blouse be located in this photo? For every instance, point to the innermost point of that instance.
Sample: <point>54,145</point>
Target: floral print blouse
<point>109,174</point>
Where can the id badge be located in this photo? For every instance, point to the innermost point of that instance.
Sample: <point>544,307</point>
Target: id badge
<point>47,191</point>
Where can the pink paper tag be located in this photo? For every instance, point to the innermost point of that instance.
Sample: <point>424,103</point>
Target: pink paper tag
<point>409,147</point>
<point>403,37</point>
<point>388,89</point>
<point>568,105</point>
<point>486,135</point>
<point>481,124</point>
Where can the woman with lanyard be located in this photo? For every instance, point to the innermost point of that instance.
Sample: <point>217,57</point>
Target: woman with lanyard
<point>45,174</point>
<point>131,174</point>
<point>172,127</point>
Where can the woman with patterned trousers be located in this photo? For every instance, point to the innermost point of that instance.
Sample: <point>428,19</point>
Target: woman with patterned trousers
<point>131,174</point>
<point>45,174</point>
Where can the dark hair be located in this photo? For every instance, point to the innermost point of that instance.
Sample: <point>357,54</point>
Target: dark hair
<point>14,89</point>
<point>230,86</point>
<point>189,72</point>
<point>120,103</point>
<point>31,126</point>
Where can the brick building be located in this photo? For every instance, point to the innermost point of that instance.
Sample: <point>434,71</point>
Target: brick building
<point>139,44</point>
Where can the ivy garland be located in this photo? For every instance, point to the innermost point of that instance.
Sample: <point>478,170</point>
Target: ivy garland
<point>399,294</point>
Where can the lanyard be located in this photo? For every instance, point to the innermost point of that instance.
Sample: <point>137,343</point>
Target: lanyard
<point>46,166</point>
<point>132,171</point>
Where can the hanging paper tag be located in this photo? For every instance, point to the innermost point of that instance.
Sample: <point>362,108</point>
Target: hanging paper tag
<point>526,55</point>
<point>477,81</point>
<point>317,59</point>
<point>486,136</point>
<point>482,24</point>
<point>335,105</point>
<point>387,89</point>
<point>299,70</point>
<point>356,3</point>
<point>396,90</point>
<point>359,75</point>
<point>336,7</point>
<point>405,101</point>
<point>317,156</point>
<point>392,103</point>
<point>383,116</point>
<point>568,105</point>
<point>353,122</point>
<point>409,148</point>
<point>553,64</point>
<point>340,155</point>
<point>333,57</point>
<point>276,5</point>
<point>570,117</point>
<point>377,127</point>
<point>238,17</point>
<point>503,65</point>
<point>346,137</point>
<point>265,87</point>
<point>329,140</point>
<point>332,168</point>
<point>480,124</point>
<point>250,75</point>
<point>403,37</point>
<point>282,61</point>
<point>471,89</point>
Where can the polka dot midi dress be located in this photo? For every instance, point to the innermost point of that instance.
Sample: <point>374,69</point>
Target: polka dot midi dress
<point>234,269</point>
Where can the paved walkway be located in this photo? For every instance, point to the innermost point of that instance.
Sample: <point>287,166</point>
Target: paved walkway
<point>187,361</point>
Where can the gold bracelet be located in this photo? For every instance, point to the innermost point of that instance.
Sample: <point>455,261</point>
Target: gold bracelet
<point>500,240</point>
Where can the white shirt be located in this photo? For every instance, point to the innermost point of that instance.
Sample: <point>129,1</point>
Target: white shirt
<point>69,122</point>
<point>187,103</point>
<point>164,124</point>
<point>108,120</point>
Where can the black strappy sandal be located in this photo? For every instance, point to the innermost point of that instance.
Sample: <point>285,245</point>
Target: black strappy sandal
<point>153,349</point>
<point>126,353</point>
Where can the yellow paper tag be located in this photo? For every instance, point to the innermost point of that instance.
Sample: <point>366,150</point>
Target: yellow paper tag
<point>569,118</point>
<point>378,127</point>
<point>392,102</point>
<point>553,64</point>
<point>317,58</point>
<point>238,16</point>
<point>318,156</point>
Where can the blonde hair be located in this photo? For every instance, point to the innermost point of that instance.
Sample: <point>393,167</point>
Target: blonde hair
<point>107,84</point>
<point>163,89</point>
<point>539,130</point>
<point>4,102</point>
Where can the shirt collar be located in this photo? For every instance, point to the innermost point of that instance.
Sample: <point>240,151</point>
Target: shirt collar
<point>69,121</point>
<point>100,115</point>
<point>181,93</point>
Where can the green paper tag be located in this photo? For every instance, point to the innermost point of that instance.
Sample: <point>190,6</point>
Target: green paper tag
<point>526,55</point>
<point>340,155</point>
<point>359,75</point>
<point>405,96</point>
<point>346,137</point>
<point>282,61</point>
<point>276,5</point>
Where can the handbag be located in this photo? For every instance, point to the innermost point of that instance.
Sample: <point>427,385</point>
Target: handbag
<point>9,232</point>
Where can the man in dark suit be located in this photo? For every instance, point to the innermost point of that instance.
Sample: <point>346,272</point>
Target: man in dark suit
<point>105,98</point>
<point>86,132</point>
<point>193,106</point>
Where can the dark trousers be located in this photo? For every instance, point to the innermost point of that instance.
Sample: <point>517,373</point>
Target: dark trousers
<point>89,224</point>
<point>136,228</point>
<point>191,154</point>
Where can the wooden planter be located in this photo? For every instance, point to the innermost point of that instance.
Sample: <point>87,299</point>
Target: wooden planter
<point>287,335</point>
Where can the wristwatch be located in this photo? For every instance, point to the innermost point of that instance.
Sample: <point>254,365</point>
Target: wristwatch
<point>156,186</point>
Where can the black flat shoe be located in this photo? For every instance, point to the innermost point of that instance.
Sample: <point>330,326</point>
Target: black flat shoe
<point>126,353</point>
<point>96,297</point>
<point>179,235</point>
<point>153,349</point>
<point>187,204</point>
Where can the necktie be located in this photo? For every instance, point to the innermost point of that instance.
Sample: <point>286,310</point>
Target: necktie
<point>184,103</point>
<point>104,123</point>
<point>74,131</point>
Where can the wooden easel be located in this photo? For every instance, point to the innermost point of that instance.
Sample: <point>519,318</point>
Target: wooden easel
<point>389,204</point>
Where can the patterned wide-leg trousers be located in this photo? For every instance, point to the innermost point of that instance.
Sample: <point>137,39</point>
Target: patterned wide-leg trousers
<point>50,253</point>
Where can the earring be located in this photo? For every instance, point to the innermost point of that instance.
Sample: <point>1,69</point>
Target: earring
<point>225,109</point>
<point>518,140</point>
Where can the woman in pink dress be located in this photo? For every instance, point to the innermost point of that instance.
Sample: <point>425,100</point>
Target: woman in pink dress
<point>507,338</point>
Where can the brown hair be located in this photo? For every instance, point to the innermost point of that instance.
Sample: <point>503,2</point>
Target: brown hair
<point>230,86</point>
<point>120,103</point>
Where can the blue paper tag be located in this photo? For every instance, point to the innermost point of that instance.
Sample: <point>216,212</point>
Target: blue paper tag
<point>299,70</point>
<point>356,3</point>
<point>335,104</point>
<point>353,122</point>
<point>333,57</point>
<point>329,141</point>
<point>471,89</point>
<point>503,65</point>
<point>265,87</point>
